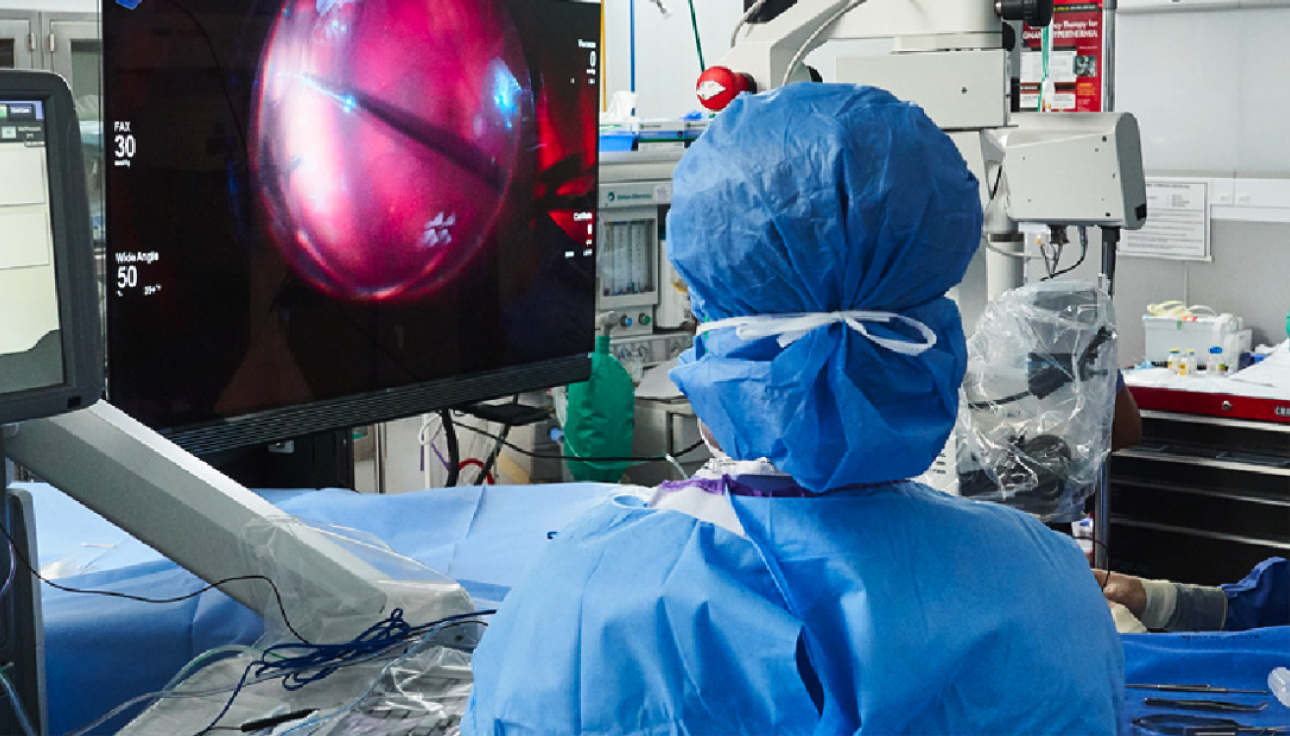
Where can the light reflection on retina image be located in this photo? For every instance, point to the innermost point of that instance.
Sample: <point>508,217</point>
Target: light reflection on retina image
<point>385,134</point>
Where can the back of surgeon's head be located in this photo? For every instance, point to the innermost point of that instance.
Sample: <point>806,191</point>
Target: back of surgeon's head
<point>820,198</point>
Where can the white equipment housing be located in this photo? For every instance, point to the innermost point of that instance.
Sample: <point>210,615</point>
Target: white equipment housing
<point>1094,152</point>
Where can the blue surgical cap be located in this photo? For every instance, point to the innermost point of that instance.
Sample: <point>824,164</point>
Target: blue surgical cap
<point>819,198</point>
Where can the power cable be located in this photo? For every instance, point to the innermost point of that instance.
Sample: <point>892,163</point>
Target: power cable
<point>142,599</point>
<point>219,69</point>
<point>13,572</point>
<point>698,43</point>
<point>454,450</point>
<point>328,658</point>
<point>991,403</point>
<point>810,40</point>
<point>23,722</point>
<point>1083,253</point>
<point>635,459</point>
<point>747,16</point>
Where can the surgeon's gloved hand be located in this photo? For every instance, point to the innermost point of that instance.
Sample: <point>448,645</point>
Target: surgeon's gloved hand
<point>1124,590</point>
<point>1125,621</point>
<point>1165,605</point>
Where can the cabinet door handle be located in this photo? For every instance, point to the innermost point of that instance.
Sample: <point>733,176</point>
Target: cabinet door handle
<point>51,44</point>
<point>31,42</point>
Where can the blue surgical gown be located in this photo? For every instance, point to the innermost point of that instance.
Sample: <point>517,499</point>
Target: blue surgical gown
<point>879,610</point>
<point>1261,599</point>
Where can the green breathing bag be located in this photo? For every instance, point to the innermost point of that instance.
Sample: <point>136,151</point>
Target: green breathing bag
<point>600,419</point>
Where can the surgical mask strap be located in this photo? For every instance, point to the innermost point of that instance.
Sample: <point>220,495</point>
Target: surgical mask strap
<point>792,327</point>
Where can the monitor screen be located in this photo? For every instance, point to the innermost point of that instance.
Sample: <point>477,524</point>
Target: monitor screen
<point>46,339</point>
<point>322,213</point>
<point>31,353</point>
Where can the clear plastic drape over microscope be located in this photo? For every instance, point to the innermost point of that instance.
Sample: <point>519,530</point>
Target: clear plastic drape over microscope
<point>1036,408</point>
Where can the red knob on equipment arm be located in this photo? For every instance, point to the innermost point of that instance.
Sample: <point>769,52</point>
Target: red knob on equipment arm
<point>719,86</point>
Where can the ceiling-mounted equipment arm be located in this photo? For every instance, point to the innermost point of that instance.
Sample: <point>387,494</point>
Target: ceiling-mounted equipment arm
<point>764,53</point>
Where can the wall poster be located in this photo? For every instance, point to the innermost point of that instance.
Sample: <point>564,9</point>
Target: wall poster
<point>1075,65</point>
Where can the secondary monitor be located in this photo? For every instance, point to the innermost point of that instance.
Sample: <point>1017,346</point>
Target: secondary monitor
<point>50,350</point>
<point>51,359</point>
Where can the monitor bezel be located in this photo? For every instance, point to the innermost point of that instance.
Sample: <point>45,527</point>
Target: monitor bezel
<point>358,410</point>
<point>78,292</point>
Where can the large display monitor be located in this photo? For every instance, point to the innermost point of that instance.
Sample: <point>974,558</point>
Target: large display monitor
<point>324,213</point>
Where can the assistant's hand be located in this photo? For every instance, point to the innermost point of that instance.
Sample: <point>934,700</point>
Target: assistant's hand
<point>1125,622</point>
<point>1126,590</point>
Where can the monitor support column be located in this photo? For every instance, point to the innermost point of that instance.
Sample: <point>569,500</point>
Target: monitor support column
<point>22,643</point>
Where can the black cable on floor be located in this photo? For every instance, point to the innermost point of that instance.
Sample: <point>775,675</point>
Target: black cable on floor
<point>454,450</point>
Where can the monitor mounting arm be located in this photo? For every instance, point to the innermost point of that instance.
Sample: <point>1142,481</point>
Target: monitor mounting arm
<point>199,518</point>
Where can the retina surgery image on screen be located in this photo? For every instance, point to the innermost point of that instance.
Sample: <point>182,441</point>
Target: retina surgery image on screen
<point>313,199</point>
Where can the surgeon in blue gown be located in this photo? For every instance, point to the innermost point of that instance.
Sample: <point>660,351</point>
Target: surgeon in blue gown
<point>802,584</point>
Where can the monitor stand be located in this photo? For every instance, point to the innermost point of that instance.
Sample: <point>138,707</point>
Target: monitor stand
<point>320,460</point>
<point>22,633</point>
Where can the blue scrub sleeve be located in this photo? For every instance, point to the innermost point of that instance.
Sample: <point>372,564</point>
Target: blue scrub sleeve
<point>1261,599</point>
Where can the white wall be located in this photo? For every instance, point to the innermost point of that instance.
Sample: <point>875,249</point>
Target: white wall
<point>667,63</point>
<point>1248,276</point>
<point>1208,88</point>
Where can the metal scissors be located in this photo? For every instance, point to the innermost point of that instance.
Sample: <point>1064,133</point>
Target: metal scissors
<point>1176,724</point>
<point>1199,689</point>
<point>1211,705</point>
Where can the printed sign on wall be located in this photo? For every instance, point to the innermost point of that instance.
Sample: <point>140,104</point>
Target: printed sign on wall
<point>1178,226</point>
<point>1075,65</point>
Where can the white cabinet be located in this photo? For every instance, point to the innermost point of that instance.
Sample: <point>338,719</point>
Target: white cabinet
<point>67,44</point>
<point>18,47</point>
<point>73,50</point>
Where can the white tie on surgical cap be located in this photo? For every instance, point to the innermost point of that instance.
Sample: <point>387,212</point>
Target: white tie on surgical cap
<point>792,327</point>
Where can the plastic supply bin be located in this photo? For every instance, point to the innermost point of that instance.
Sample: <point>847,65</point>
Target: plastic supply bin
<point>1195,333</point>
